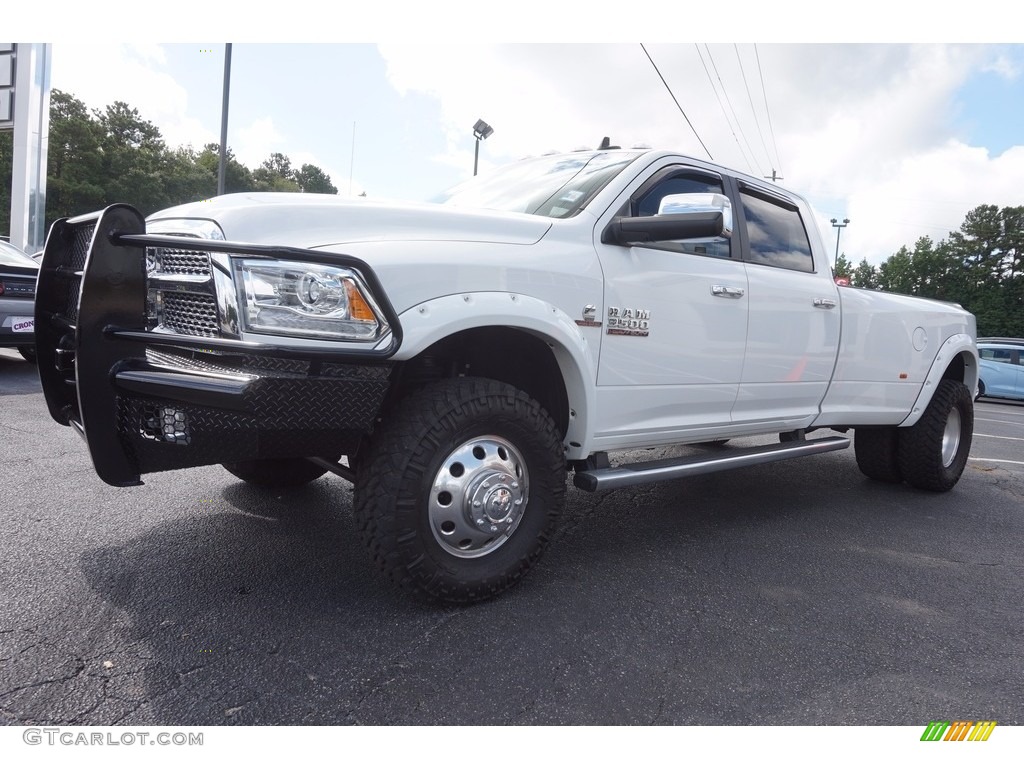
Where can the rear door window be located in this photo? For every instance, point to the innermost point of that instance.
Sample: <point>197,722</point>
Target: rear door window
<point>776,233</point>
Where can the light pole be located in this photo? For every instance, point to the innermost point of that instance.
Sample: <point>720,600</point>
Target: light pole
<point>839,231</point>
<point>222,161</point>
<point>481,131</point>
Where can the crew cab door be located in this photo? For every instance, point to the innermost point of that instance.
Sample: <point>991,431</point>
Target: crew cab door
<point>793,336</point>
<point>674,323</point>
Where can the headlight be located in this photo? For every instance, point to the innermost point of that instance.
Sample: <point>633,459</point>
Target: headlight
<point>290,298</point>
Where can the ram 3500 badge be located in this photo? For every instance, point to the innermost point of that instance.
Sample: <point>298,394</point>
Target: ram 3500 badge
<point>455,360</point>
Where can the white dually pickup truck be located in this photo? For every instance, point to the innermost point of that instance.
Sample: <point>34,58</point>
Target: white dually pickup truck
<point>455,360</point>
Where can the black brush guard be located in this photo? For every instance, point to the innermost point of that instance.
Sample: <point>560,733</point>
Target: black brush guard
<point>149,401</point>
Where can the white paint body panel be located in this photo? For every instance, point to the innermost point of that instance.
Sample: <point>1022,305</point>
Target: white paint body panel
<point>791,346</point>
<point>686,372</point>
<point>879,374</point>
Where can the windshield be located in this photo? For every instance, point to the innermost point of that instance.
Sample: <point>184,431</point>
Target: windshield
<point>557,186</point>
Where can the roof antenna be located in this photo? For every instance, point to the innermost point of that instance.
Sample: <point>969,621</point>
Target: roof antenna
<point>606,143</point>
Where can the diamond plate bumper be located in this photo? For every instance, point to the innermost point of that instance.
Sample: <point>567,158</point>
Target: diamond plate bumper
<point>147,402</point>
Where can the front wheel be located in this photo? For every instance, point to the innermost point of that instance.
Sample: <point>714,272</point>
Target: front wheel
<point>933,452</point>
<point>462,488</point>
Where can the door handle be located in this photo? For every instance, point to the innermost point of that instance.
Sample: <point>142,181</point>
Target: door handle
<point>727,291</point>
<point>825,303</point>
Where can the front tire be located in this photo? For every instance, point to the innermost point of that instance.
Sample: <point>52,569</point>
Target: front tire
<point>28,351</point>
<point>462,489</point>
<point>933,452</point>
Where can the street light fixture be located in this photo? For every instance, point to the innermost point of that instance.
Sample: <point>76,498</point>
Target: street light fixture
<point>481,131</point>
<point>839,231</point>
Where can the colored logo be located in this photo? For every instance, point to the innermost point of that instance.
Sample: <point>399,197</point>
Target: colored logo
<point>959,730</point>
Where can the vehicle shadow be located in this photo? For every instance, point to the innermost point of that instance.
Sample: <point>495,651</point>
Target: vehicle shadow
<point>677,603</point>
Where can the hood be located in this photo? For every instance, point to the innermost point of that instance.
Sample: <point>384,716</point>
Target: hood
<point>311,220</point>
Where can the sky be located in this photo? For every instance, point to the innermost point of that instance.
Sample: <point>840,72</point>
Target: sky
<point>902,136</point>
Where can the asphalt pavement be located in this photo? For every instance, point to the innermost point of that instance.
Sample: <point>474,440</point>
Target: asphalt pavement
<point>794,593</point>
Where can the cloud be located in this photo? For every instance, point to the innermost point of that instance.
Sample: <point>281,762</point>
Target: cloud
<point>928,194</point>
<point>99,75</point>
<point>256,141</point>
<point>1005,66</point>
<point>846,125</point>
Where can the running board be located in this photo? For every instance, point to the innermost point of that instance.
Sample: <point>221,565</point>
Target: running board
<point>687,466</point>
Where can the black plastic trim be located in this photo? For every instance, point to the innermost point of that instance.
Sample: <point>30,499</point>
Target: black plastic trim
<point>632,230</point>
<point>51,328</point>
<point>198,389</point>
<point>154,339</point>
<point>113,292</point>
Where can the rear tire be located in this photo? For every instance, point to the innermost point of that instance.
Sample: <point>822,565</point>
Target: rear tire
<point>28,351</point>
<point>933,452</point>
<point>462,489</point>
<point>275,473</point>
<point>877,451</point>
<point>981,389</point>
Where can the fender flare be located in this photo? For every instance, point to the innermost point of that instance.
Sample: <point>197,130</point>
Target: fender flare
<point>953,347</point>
<point>431,321</point>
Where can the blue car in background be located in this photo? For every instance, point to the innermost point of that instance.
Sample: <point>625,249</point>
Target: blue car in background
<point>1001,368</point>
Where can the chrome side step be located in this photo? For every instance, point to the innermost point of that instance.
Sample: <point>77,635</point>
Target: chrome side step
<point>687,466</point>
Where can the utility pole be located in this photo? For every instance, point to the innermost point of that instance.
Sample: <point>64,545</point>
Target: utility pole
<point>839,231</point>
<point>774,177</point>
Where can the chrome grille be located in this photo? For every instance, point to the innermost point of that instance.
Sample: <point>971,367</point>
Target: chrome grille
<point>189,309</point>
<point>180,262</point>
<point>194,314</point>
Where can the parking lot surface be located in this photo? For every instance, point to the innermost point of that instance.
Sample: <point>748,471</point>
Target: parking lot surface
<point>795,593</point>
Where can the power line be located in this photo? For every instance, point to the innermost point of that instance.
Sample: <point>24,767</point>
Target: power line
<point>753,111</point>
<point>721,106</point>
<point>764,93</point>
<point>728,101</point>
<point>676,101</point>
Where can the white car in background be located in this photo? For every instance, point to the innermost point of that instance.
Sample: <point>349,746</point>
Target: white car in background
<point>18,273</point>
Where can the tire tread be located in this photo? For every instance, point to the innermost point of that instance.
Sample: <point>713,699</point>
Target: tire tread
<point>401,452</point>
<point>920,446</point>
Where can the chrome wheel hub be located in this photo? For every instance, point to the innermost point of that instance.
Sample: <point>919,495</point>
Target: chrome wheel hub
<point>951,437</point>
<point>478,496</point>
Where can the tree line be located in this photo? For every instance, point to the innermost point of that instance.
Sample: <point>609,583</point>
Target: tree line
<point>99,157</point>
<point>980,267</point>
